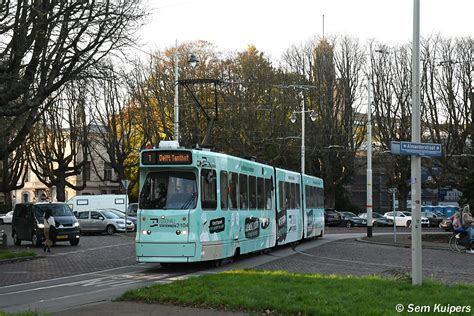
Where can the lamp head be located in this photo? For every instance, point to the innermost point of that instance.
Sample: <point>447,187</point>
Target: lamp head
<point>293,118</point>
<point>193,61</point>
<point>312,116</point>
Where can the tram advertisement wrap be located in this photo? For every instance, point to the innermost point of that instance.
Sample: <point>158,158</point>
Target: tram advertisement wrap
<point>282,225</point>
<point>252,227</point>
<point>217,225</point>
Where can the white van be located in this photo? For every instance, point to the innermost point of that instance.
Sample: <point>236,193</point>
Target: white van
<point>92,202</point>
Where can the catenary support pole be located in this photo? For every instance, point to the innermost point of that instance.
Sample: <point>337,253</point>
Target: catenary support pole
<point>417,276</point>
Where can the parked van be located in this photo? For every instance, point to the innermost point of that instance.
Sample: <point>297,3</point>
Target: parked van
<point>28,218</point>
<point>103,201</point>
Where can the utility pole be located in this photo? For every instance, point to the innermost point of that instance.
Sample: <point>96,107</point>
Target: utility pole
<point>417,276</point>
<point>369,161</point>
<point>176,100</point>
<point>302,134</point>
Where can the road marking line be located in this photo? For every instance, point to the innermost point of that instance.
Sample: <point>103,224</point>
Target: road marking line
<point>72,276</point>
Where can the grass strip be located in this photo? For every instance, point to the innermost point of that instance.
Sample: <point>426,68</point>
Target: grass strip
<point>282,292</point>
<point>6,254</point>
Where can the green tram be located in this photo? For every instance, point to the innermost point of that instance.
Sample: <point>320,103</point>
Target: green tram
<point>198,205</point>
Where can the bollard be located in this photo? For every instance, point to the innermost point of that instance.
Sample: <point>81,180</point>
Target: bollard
<point>3,240</point>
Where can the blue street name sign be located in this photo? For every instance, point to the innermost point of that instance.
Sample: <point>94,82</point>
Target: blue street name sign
<point>416,149</point>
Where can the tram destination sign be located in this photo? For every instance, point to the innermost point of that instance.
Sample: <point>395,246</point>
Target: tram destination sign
<point>416,149</point>
<point>169,157</point>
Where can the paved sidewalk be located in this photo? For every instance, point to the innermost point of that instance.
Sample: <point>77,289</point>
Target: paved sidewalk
<point>439,241</point>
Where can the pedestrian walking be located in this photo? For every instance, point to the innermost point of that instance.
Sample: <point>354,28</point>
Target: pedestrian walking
<point>49,229</point>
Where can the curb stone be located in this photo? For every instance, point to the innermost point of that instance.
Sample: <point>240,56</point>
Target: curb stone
<point>19,259</point>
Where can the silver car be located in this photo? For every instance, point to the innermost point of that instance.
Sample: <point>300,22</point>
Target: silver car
<point>6,218</point>
<point>130,219</point>
<point>100,221</point>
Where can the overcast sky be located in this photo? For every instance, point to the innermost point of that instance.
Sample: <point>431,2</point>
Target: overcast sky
<point>274,25</point>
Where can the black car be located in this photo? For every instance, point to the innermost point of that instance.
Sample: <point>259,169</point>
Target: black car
<point>349,219</point>
<point>378,219</point>
<point>332,217</point>
<point>434,218</point>
<point>27,223</point>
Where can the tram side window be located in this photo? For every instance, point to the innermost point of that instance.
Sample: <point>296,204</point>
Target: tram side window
<point>233,179</point>
<point>307,194</point>
<point>293,195</point>
<point>288,196</point>
<point>260,194</point>
<point>268,194</point>
<point>297,195</point>
<point>244,192</point>
<point>224,188</point>
<point>252,192</point>
<point>208,189</point>
<point>281,195</point>
<point>320,198</point>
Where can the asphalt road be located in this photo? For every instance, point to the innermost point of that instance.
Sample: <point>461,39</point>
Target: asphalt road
<point>102,267</point>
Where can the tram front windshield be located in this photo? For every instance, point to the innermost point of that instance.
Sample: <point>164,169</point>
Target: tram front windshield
<point>169,190</point>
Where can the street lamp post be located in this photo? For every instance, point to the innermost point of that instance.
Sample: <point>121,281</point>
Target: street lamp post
<point>192,62</point>
<point>369,154</point>
<point>312,115</point>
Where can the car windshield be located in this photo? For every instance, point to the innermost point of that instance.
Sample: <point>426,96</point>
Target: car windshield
<point>169,190</point>
<point>406,213</point>
<point>118,213</point>
<point>109,214</point>
<point>349,214</point>
<point>377,215</point>
<point>57,209</point>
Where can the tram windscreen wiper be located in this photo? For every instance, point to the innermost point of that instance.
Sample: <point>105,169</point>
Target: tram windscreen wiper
<point>189,201</point>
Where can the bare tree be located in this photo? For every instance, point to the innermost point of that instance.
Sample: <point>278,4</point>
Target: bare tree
<point>447,108</point>
<point>58,141</point>
<point>112,134</point>
<point>44,45</point>
<point>391,83</point>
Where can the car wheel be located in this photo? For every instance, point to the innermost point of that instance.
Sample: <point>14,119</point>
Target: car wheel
<point>348,224</point>
<point>74,242</point>
<point>16,240</point>
<point>375,224</point>
<point>1,222</point>
<point>408,223</point>
<point>35,240</point>
<point>110,229</point>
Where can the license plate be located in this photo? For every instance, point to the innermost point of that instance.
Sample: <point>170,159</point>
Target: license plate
<point>61,237</point>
